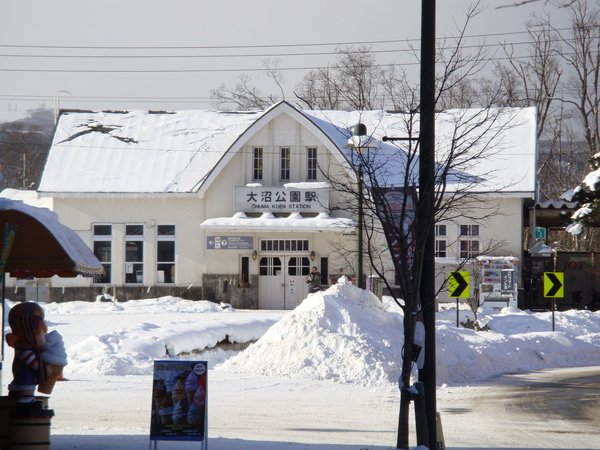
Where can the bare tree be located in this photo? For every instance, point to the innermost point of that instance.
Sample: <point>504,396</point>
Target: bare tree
<point>23,148</point>
<point>582,56</point>
<point>561,78</point>
<point>318,91</point>
<point>244,96</point>
<point>390,208</point>
<point>357,82</point>
<point>458,82</point>
<point>353,82</point>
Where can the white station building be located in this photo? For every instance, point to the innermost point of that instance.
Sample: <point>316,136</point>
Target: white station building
<point>236,207</point>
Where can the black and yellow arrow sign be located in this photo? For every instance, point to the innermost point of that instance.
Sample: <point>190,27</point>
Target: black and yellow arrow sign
<point>554,284</point>
<point>458,283</point>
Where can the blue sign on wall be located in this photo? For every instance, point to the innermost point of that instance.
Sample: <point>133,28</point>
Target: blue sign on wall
<point>229,242</point>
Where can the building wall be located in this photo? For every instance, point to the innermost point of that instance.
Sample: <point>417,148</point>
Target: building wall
<point>500,235</point>
<point>184,212</point>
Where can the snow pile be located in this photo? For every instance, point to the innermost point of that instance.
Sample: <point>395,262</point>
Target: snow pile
<point>131,350</point>
<point>167,304</point>
<point>519,341</point>
<point>344,334</point>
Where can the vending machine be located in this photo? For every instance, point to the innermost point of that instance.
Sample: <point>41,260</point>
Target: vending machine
<point>498,281</point>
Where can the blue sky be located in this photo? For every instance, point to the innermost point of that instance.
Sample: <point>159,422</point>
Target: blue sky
<point>149,54</point>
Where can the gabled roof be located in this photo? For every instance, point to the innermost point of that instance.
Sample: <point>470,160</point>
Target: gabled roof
<point>141,152</point>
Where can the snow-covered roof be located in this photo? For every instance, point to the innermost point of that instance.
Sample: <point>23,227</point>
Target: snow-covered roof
<point>138,151</point>
<point>28,197</point>
<point>268,222</point>
<point>176,152</point>
<point>29,241</point>
<point>494,149</point>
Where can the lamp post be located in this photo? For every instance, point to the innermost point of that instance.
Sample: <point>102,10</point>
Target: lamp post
<point>359,141</point>
<point>359,269</point>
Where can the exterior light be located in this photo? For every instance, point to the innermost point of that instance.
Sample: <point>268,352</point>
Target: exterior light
<point>254,255</point>
<point>312,255</point>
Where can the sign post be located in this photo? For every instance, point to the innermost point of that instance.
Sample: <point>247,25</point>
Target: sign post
<point>458,284</point>
<point>458,287</point>
<point>179,399</point>
<point>554,287</point>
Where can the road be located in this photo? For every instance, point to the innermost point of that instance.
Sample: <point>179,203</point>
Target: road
<point>551,409</point>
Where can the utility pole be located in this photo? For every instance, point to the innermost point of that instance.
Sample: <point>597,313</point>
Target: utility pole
<point>427,374</point>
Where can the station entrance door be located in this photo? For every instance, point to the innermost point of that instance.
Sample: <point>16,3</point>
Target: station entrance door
<point>281,281</point>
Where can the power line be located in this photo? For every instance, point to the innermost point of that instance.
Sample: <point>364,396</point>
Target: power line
<point>265,55</point>
<point>218,70</point>
<point>220,47</point>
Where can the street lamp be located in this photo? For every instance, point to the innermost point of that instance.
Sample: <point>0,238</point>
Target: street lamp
<point>359,141</point>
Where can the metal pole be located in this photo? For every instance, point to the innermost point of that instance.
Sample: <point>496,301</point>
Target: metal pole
<point>3,291</point>
<point>359,269</point>
<point>426,199</point>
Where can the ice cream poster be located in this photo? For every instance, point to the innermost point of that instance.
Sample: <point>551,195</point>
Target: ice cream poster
<point>179,401</point>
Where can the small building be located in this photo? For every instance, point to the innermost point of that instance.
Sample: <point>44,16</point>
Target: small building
<point>237,206</point>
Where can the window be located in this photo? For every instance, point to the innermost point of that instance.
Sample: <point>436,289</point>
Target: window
<point>134,254</point>
<point>257,163</point>
<point>469,241</point>
<point>269,266</point>
<point>311,161</point>
<point>298,266</point>
<point>284,245</point>
<point>165,254</point>
<point>469,230</point>
<point>103,250</point>
<point>245,271</point>
<point>440,241</point>
<point>284,173</point>
<point>325,271</point>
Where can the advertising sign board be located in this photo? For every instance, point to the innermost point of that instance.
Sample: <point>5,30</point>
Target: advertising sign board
<point>179,398</point>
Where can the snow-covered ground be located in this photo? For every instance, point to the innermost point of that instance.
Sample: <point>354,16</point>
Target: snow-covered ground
<point>339,346</point>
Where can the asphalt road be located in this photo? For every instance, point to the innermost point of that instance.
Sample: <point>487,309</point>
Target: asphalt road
<point>551,409</point>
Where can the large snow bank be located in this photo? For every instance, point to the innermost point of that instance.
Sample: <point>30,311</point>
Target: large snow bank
<point>344,334</point>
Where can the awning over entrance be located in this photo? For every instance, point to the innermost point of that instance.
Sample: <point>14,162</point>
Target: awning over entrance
<point>268,222</point>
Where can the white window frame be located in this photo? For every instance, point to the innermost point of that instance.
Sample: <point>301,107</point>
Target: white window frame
<point>469,244</point>
<point>285,163</point>
<point>137,267</point>
<point>311,164</point>
<point>258,163</point>
<point>441,238</point>
<point>166,238</point>
<point>104,238</point>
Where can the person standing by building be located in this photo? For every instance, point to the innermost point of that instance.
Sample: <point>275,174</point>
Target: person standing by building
<point>314,280</point>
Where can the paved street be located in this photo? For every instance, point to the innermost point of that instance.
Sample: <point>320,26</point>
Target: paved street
<point>548,409</point>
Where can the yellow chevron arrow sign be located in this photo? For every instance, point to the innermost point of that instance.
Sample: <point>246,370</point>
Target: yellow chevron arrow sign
<point>458,284</point>
<point>554,284</point>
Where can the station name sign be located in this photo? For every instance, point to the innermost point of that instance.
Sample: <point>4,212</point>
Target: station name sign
<point>281,199</point>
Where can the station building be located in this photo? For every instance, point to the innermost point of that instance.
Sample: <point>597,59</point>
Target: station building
<point>236,207</point>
